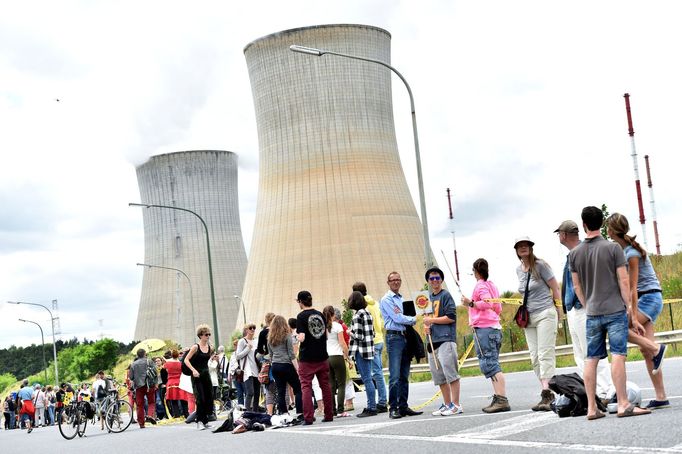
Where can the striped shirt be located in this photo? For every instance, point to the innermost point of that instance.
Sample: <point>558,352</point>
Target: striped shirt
<point>362,335</point>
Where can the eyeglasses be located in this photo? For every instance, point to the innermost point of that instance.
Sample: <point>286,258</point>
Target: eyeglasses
<point>207,334</point>
<point>395,280</point>
<point>434,278</point>
<point>252,328</point>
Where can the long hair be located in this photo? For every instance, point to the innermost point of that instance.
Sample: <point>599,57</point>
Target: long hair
<point>328,313</point>
<point>532,260</point>
<point>619,226</point>
<point>279,330</point>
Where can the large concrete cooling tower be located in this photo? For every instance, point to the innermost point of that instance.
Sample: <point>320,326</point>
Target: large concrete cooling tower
<point>171,305</point>
<point>333,203</point>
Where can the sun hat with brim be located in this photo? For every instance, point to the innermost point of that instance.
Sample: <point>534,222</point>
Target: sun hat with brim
<point>523,239</point>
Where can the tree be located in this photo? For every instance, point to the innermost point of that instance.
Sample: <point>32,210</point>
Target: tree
<point>605,212</point>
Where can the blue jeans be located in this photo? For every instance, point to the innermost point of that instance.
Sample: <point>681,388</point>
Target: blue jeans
<point>398,371</point>
<point>239,386</point>
<point>613,325</point>
<point>378,373</point>
<point>365,371</point>
<point>50,412</point>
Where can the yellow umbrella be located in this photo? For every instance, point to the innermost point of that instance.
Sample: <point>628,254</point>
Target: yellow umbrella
<point>149,345</point>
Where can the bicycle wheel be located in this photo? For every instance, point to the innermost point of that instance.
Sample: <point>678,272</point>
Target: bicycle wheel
<point>69,421</point>
<point>83,422</point>
<point>218,406</point>
<point>118,417</point>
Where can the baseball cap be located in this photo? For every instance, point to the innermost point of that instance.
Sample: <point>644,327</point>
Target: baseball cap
<point>568,227</point>
<point>304,295</point>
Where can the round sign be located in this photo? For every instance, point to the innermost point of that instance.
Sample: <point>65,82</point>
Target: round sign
<point>422,301</point>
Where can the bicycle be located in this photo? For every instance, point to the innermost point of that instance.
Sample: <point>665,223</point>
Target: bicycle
<point>117,413</point>
<point>227,400</point>
<point>73,418</point>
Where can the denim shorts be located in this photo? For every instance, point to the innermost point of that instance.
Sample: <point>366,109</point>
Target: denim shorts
<point>650,305</point>
<point>488,350</point>
<point>599,326</point>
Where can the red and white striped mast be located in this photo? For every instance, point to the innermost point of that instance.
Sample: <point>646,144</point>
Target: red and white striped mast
<point>653,205</point>
<point>452,231</point>
<point>631,133</point>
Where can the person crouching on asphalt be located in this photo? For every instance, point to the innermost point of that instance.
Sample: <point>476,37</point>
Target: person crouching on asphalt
<point>484,318</point>
<point>441,325</point>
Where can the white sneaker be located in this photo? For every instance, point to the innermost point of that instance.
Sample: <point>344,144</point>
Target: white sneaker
<point>440,411</point>
<point>449,411</point>
<point>456,409</point>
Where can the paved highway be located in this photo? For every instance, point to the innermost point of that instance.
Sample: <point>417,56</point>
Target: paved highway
<point>518,431</point>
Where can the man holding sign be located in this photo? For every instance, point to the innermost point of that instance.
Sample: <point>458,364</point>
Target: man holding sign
<point>441,325</point>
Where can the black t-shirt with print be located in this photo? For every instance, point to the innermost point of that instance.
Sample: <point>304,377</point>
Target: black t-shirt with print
<point>313,349</point>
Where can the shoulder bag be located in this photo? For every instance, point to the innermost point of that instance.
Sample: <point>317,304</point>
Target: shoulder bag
<point>522,317</point>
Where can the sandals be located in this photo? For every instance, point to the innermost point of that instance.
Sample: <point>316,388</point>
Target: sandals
<point>597,415</point>
<point>630,411</point>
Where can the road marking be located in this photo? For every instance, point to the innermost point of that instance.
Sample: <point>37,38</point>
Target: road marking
<point>511,426</point>
<point>500,443</point>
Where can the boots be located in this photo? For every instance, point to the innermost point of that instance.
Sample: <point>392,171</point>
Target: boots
<point>546,398</point>
<point>498,404</point>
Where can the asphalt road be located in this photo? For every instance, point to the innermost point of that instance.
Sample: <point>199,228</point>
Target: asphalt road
<point>520,430</point>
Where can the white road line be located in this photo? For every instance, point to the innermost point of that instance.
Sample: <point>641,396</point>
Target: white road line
<point>511,426</point>
<point>500,443</point>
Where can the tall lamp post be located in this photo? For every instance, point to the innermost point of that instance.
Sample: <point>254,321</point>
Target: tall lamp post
<point>42,337</point>
<point>238,299</point>
<point>208,250</point>
<point>191,293</point>
<point>54,344</point>
<point>422,203</point>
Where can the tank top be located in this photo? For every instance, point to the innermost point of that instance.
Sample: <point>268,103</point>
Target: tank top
<point>200,359</point>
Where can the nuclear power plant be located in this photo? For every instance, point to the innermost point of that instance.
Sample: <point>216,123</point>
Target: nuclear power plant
<point>172,304</point>
<point>333,203</point>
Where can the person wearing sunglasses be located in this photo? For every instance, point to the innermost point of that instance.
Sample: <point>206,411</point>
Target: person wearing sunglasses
<point>246,361</point>
<point>441,324</point>
<point>197,360</point>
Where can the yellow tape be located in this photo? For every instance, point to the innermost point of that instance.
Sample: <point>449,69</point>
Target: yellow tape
<point>518,301</point>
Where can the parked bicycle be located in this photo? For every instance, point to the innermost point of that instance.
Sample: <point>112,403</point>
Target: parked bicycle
<point>117,413</point>
<point>73,418</point>
<point>227,400</point>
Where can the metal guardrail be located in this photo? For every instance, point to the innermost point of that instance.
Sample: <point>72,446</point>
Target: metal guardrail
<point>665,337</point>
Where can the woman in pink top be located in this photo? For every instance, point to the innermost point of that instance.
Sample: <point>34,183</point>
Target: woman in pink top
<point>484,318</point>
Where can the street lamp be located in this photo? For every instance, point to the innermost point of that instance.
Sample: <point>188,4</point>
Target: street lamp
<point>208,250</point>
<point>425,226</point>
<point>191,297</point>
<point>54,344</point>
<point>238,299</point>
<point>42,337</point>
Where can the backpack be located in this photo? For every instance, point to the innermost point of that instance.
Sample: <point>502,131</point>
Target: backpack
<point>101,392</point>
<point>264,374</point>
<point>185,369</point>
<point>151,377</point>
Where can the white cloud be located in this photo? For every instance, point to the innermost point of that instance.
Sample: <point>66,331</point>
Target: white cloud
<point>519,106</point>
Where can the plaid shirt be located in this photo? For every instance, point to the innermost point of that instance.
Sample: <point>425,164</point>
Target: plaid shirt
<point>362,335</point>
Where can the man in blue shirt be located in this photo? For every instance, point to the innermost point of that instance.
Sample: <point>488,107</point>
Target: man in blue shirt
<point>576,315</point>
<point>27,409</point>
<point>395,321</point>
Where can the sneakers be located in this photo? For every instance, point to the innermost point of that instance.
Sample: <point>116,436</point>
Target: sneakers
<point>382,408</point>
<point>546,398</point>
<point>440,411</point>
<point>498,404</point>
<point>658,359</point>
<point>448,410</point>
<point>367,412</point>
<point>654,404</point>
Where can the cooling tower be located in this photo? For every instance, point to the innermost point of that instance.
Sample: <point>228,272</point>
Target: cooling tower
<point>333,204</point>
<point>171,305</point>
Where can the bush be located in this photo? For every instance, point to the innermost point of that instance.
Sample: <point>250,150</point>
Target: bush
<point>6,380</point>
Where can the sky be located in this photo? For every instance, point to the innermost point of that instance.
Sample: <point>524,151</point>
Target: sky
<point>519,107</point>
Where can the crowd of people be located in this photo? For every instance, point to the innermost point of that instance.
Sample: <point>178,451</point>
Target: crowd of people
<point>303,364</point>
